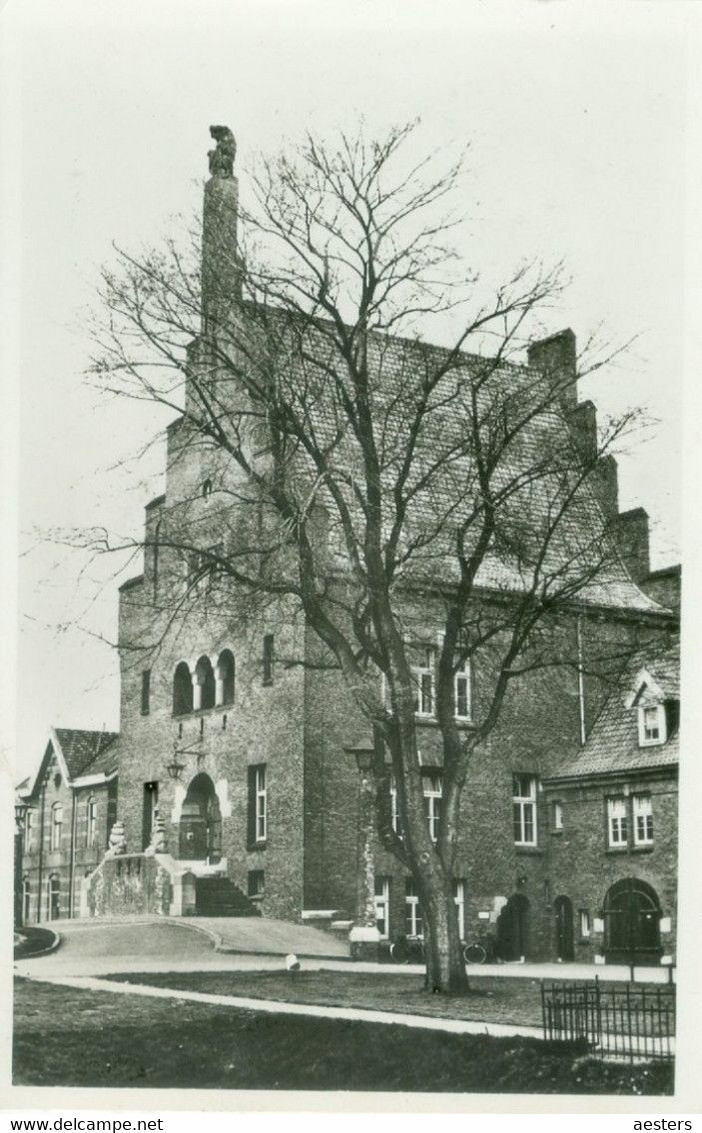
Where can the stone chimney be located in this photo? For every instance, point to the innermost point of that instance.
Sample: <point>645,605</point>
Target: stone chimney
<point>556,358</point>
<point>583,422</point>
<point>221,266</point>
<point>632,537</point>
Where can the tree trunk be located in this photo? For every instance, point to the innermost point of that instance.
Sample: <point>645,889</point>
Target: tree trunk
<point>445,966</point>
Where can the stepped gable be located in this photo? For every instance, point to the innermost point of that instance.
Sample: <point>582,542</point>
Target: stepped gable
<point>441,496</point>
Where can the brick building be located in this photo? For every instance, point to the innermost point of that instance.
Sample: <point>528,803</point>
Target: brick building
<point>71,805</point>
<point>613,829</point>
<point>233,733</point>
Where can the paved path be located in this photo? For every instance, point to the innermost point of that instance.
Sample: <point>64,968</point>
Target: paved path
<point>95,948</point>
<point>318,1011</point>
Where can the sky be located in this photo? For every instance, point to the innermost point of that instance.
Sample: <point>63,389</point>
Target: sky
<point>577,117</point>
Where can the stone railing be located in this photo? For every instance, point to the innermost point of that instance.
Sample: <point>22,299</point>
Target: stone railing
<point>127,884</point>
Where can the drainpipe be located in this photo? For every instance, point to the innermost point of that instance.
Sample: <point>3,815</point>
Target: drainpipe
<point>41,847</point>
<point>72,858</point>
<point>581,678</point>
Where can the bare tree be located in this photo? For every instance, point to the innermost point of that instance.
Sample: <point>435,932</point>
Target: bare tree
<point>383,487</point>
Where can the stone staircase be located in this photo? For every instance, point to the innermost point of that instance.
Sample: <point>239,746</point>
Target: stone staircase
<point>219,897</point>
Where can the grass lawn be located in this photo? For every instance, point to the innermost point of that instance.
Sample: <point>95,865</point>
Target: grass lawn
<point>491,1000</point>
<point>72,1037</point>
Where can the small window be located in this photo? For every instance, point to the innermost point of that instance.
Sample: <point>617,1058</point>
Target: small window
<point>423,674</point>
<point>54,898</point>
<point>584,924</point>
<point>382,906</point>
<point>256,884</point>
<point>433,789</point>
<point>145,691</point>
<point>206,489</point>
<point>462,693</point>
<point>91,814</point>
<point>268,659</point>
<point>557,816</point>
<point>413,913</point>
<point>56,827</point>
<point>459,898</point>
<point>652,725</point>
<point>29,830</point>
<point>617,823</point>
<point>524,788</point>
<point>257,806</point>
<point>395,816</point>
<point>643,820</point>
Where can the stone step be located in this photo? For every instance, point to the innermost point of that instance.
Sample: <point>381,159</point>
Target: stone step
<point>220,897</point>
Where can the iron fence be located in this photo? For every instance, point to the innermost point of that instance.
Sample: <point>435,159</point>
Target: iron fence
<point>634,1021</point>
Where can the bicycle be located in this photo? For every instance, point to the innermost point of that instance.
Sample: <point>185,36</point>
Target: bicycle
<point>407,950</point>
<point>481,951</point>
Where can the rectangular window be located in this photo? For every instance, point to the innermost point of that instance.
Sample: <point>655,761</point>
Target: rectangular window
<point>459,897</point>
<point>258,817</point>
<point>91,822</point>
<point>56,827</point>
<point>395,816</point>
<point>382,906</point>
<point>413,913</point>
<point>652,725</point>
<point>29,831</point>
<point>462,693</point>
<point>256,884</point>
<point>433,789</point>
<point>617,822</point>
<point>643,820</point>
<point>145,691</point>
<point>423,674</point>
<point>557,816</point>
<point>268,659</point>
<point>524,788</point>
<point>584,924</point>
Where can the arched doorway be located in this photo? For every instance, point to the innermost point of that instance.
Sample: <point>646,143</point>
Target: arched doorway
<point>563,909</point>
<point>201,822</point>
<point>513,928</point>
<point>632,915</point>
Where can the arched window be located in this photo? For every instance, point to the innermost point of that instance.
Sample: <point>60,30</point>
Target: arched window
<point>204,675</point>
<point>225,674</point>
<point>56,826</point>
<point>91,821</point>
<point>207,489</point>
<point>182,690</point>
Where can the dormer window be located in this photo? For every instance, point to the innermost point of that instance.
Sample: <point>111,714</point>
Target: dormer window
<point>652,725</point>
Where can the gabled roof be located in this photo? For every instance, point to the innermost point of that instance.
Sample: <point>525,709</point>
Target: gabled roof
<point>613,744</point>
<point>78,753</point>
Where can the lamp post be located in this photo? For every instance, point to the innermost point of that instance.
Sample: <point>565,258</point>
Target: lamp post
<point>364,936</point>
<point>20,816</point>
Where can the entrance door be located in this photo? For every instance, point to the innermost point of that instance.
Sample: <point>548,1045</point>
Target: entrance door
<point>563,908</point>
<point>512,928</point>
<point>201,822</point>
<point>632,923</point>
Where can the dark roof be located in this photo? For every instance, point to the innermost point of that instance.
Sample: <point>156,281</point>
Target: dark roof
<point>87,753</point>
<point>440,491</point>
<point>613,744</point>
